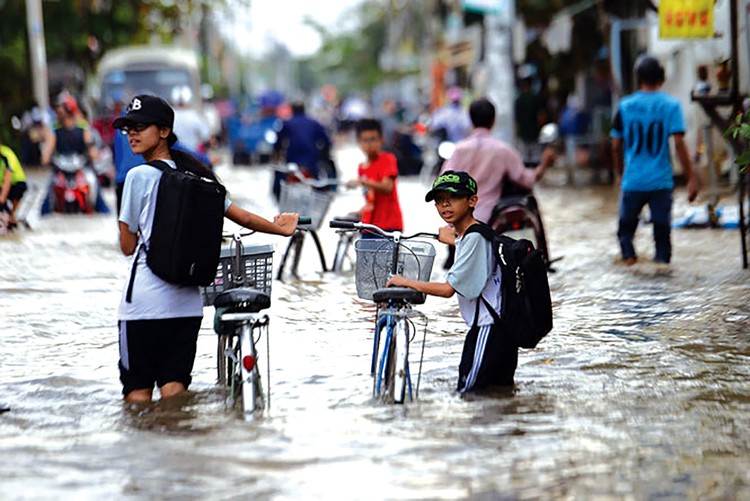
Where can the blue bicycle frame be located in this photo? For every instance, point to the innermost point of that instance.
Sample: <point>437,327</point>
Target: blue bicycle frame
<point>387,322</point>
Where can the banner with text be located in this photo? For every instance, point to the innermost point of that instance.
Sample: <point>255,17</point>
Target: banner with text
<point>686,19</point>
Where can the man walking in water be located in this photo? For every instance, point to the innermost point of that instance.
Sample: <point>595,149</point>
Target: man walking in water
<point>643,124</point>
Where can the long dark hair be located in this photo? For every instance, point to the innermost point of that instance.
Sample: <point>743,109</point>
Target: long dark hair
<point>187,162</point>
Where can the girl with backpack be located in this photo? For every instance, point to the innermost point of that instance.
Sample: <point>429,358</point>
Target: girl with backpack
<point>158,326</point>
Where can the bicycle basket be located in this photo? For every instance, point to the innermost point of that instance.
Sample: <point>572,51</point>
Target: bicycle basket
<point>306,201</point>
<point>374,258</point>
<point>255,271</point>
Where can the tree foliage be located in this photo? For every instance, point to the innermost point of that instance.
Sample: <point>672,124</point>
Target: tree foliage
<point>352,59</point>
<point>77,33</point>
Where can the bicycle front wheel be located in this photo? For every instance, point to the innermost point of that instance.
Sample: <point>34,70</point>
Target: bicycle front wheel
<point>291,256</point>
<point>401,361</point>
<point>342,251</point>
<point>396,360</point>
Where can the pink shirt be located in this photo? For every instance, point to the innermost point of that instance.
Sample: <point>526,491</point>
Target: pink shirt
<point>489,160</point>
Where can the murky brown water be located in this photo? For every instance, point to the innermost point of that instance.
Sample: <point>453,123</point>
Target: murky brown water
<point>640,391</point>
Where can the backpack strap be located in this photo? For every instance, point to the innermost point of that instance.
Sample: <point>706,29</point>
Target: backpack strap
<point>129,293</point>
<point>489,235</point>
<point>160,165</point>
<point>495,316</point>
<point>483,229</point>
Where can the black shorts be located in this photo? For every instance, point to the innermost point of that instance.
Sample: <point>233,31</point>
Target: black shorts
<point>489,357</point>
<point>17,190</point>
<point>157,352</point>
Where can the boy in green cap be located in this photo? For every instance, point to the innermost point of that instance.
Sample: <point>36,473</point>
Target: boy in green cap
<point>489,357</point>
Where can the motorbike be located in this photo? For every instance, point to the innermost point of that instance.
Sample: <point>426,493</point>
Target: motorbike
<point>441,150</point>
<point>517,212</point>
<point>408,152</point>
<point>74,188</point>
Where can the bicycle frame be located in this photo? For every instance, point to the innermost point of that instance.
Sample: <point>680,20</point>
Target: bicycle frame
<point>293,252</point>
<point>396,320</point>
<point>294,248</point>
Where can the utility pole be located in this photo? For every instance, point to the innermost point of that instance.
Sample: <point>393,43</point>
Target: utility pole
<point>35,24</point>
<point>499,60</point>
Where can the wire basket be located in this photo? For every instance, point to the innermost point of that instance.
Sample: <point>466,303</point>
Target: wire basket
<point>306,201</point>
<point>255,271</point>
<point>374,260</point>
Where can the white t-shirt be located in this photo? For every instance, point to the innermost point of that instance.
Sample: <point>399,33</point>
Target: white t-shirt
<point>152,297</point>
<point>473,273</point>
<point>190,127</point>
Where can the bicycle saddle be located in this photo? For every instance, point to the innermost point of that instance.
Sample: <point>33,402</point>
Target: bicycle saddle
<point>243,300</point>
<point>398,293</point>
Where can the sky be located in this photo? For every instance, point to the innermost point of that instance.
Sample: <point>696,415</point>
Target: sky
<point>282,20</point>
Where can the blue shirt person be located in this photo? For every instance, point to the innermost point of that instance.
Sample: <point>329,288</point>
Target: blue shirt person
<point>641,130</point>
<point>304,142</point>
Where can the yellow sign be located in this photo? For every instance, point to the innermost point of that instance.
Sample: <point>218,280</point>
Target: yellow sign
<point>686,19</point>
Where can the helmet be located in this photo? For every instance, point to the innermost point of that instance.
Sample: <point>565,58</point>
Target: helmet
<point>454,94</point>
<point>648,71</point>
<point>68,103</point>
<point>526,71</point>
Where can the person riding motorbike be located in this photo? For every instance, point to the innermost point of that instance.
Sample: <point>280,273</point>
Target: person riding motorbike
<point>303,141</point>
<point>447,126</point>
<point>451,121</point>
<point>70,137</point>
<point>492,162</point>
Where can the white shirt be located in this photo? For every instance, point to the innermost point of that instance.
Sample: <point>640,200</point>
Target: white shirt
<point>152,297</point>
<point>473,273</point>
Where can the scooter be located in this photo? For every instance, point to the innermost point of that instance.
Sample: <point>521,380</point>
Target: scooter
<point>441,151</point>
<point>75,185</point>
<point>517,212</point>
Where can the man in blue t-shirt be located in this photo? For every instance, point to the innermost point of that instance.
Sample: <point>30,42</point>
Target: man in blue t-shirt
<point>640,134</point>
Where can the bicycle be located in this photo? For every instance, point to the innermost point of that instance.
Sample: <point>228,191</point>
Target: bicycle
<point>342,255</point>
<point>377,260</point>
<point>303,195</point>
<point>239,292</point>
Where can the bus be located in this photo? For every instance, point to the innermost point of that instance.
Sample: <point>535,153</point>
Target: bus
<point>161,70</point>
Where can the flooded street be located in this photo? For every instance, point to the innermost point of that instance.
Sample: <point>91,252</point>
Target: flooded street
<point>640,391</point>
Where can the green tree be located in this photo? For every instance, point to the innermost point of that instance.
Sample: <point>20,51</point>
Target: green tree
<point>78,32</point>
<point>350,59</point>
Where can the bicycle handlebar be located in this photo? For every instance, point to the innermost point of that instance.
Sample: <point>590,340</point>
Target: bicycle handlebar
<point>348,225</point>
<point>226,235</point>
<point>293,170</point>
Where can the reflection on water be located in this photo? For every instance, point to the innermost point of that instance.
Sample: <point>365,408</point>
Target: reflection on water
<point>640,391</point>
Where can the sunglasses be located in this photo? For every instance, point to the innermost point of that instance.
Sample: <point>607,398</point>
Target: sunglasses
<point>135,128</point>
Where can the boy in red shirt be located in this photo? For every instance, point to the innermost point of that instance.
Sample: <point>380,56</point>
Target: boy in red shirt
<point>378,175</point>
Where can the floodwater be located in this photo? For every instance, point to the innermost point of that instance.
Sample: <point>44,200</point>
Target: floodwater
<point>640,392</point>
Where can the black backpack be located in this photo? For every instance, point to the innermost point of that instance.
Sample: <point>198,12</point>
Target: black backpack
<point>186,234</point>
<point>526,311</point>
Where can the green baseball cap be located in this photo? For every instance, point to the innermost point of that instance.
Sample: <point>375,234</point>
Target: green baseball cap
<point>459,183</point>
